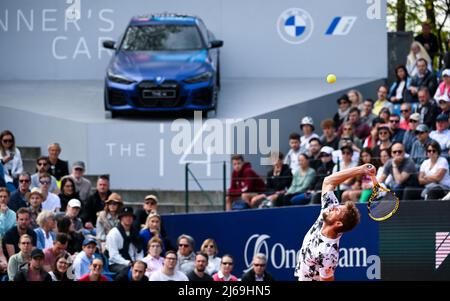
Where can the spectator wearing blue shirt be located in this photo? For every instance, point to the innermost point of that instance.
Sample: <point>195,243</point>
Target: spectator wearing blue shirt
<point>18,197</point>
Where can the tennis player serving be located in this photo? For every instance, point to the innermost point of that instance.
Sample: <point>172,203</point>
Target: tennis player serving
<point>319,254</point>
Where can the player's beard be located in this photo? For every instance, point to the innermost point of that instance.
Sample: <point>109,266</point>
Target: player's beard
<point>326,220</point>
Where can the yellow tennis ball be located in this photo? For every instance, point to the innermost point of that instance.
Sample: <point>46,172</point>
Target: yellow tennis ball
<point>331,78</point>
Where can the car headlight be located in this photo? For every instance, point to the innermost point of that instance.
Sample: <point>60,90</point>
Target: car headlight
<point>120,79</point>
<point>199,78</point>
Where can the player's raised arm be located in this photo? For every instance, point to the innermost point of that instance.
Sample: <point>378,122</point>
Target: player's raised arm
<point>333,180</point>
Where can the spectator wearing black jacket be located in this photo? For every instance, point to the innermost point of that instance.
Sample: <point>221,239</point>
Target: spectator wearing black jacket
<point>278,180</point>
<point>424,78</point>
<point>96,203</point>
<point>34,270</point>
<point>58,168</point>
<point>429,41</point>
<point>135,273</point>
<point>258,271</point>
<point>427,108</point>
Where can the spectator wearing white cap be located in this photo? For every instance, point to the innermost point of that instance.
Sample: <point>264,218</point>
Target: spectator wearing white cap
<point>82,185</point>
<point>442,133</point>
<point>444,87</point>
<point>72,211</point>
<point>410,135</point>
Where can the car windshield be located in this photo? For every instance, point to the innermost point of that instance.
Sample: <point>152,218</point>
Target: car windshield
<point>162,37</point>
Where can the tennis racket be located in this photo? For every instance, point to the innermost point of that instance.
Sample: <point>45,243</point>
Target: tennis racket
<point>383,203</point>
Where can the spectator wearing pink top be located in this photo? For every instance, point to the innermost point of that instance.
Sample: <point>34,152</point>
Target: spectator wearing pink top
<point>226,267</point>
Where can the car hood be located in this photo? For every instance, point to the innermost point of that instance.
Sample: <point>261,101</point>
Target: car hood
<point>146,64</point>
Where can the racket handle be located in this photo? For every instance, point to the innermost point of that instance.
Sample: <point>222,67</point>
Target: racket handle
<point>374,181</point>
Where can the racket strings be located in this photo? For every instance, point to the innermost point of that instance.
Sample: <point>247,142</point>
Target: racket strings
<point>382,202</point>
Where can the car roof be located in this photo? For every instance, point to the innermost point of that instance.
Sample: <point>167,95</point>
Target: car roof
<point>164,18</point>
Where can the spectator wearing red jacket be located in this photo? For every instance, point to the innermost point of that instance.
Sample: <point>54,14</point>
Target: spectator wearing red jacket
<point>245,182</point>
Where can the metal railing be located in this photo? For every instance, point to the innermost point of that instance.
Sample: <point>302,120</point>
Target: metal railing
<point>189,173</point>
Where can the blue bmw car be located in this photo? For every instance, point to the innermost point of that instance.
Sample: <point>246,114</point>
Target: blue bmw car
<point>163,62</point>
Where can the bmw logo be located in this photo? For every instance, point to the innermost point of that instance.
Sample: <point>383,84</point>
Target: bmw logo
<point>159,79</point>
<point>295,25</point>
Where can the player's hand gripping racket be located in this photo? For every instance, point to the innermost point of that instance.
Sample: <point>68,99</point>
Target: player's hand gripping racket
<point>383,203</point>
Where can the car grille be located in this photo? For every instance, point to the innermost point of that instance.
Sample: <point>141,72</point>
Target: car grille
<point>164,95</point>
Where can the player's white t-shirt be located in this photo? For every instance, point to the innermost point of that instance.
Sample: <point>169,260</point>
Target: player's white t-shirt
<point>319,254</point>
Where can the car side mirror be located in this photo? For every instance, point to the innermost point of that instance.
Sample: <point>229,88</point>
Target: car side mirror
<point>216,44</point>
<point>109,44</point>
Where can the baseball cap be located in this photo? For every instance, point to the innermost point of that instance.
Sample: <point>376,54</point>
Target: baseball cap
<point>415,116</point>
<point>126,211</point>
<point>89,240</point>
<point>326,150</point>
<point>151,197</point>
<point>442,117</point>
<point>37,253</point>
<point>78,164</point>
<point>74,203</point>
<point>421,128</point>
<point>443,97</point>
<point>446,72</point>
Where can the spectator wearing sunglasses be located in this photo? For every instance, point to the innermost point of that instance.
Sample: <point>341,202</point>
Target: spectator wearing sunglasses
<point>186,255</point>
<point>108,218</point>
<point>10,159</point>
<point>402,169</point>
<point>258,271</point>
<point>394,125</point>
<point>209,247</point>
<point>18,198</point>
<point>418,151</point>
<point>42,167</point>
<point>410,135</point>
<point>434,174</point>
<point>95,274</point>
<point>226,267</point>
<point>51,201</point>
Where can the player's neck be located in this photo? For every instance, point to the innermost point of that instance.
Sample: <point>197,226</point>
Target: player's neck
<point>328,232</point>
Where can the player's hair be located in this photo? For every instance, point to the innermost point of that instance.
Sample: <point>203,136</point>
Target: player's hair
<point>351,217</point>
